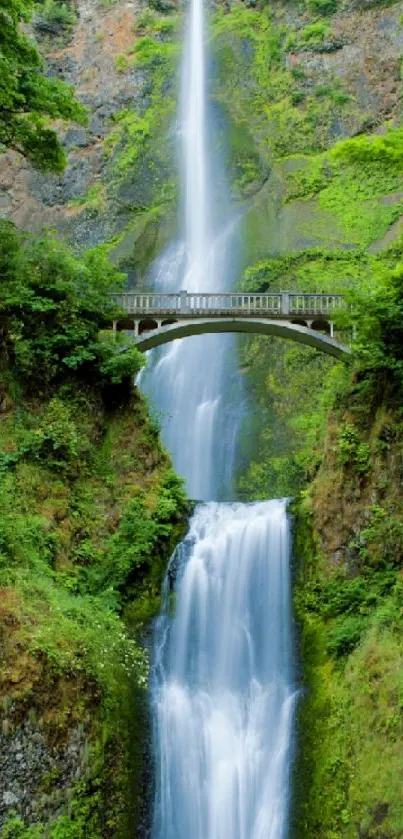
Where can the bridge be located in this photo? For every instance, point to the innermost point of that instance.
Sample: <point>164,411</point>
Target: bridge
<point>156,319</point>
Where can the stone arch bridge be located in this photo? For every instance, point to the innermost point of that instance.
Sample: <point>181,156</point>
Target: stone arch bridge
<point>156,319</point>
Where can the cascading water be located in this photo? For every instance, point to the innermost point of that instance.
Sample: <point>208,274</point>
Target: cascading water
<point>222,685</point>
<point>187,380</point>
<point>223,690</point>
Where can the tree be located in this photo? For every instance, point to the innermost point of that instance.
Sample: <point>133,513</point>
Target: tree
<point>53,308</point>
<point>28,98</point>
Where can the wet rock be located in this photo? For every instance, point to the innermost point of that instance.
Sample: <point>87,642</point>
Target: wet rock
<point>35,776</point>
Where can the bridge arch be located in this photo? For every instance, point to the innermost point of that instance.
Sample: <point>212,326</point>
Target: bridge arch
<point>321,325</point>
<point>300,322</point>
<point>319,340</point>
<point>147,325</point>
<point>169,322</point>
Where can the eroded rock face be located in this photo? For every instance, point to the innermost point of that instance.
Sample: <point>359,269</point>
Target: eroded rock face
<point>94,202</point>
<point>35,777</point>
<point>89,62</point>
<point>365,55</point>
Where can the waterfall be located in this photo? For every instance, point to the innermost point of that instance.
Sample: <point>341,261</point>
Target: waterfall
<point>223,687</point>
<point>186,380</point>
<point>222,681</point>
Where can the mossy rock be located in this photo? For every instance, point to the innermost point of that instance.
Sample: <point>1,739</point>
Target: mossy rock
<point>144,238</point>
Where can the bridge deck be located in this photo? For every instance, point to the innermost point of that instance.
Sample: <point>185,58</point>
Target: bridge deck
<point>285,305</point>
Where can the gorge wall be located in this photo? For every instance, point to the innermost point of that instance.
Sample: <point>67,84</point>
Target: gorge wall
<point>308,111</point>
<point>348,597</point>
<point>90,511</point>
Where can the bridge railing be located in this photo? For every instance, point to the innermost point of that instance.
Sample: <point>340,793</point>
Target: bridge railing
<point>190,305</point>
<point>315,304</point>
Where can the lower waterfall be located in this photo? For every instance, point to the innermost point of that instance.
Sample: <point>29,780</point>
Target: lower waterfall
<point>223,683</point>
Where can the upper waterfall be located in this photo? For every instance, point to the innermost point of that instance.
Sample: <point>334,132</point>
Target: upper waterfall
<point>187,381</point>
<point>194,155</point>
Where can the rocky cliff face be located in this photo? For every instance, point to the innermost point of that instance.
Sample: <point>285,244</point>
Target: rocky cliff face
<point>349,602</point>
<point>288,85</point>
<point>74,728</point>
<point>93,202</point>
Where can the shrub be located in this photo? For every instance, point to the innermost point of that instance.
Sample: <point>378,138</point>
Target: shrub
<point>387,148</point>
<point>353,450</point>
<point>122,63</point>
<point>53,307</point>
<point>62,14</point>
<point>315,33</point>
<point>322,7</point>
<point>345,634</point>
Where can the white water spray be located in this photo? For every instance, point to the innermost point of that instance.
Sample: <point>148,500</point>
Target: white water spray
<point>223,689</point>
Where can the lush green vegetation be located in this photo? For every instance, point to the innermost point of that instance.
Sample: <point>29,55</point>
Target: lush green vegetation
<point>29,98</point>
<point>142,163</point>
<point>53,307</point>
<point>324,216</point>
<point>349,554</point>
<point>89,512</point>
<point>54,15</point>
<point>89,505</point>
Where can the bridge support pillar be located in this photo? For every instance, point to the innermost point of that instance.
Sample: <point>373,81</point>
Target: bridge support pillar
<point>115,327</point>
<point>331,324</point>
<point>183,299</point>
<point>285,303</point>
<point>136,328</point>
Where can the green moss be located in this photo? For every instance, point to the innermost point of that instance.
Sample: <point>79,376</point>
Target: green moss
<point>292,388</point>
<point>90,511</point>
<point>349,714</point>
<point>142,158</point>
<point>76,547</point>
<point>311,36</point>
<point>58,14</point>
<point>122,63</point>
<point>263,96</point>
<point>137,132</point>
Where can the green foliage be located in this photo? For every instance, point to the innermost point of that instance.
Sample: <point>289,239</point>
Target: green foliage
<point>53,307</point>
<point>144,533</point>
<point>94,200</point>
<point>353,451</point>
<point>351,711</point>
<point>151,23</point>
<point>122,63</point>
<point>53,12</point>
<point>142,158</point>
<point>322,7</point>
<point>386,148</point>
<point>312,35</point>
<point>57,437</point>
<point>28,98</point>
<point>262,96</point>
<point>118,361</point>
<point>315,33</point>
<point>378,311</point>
<point>15,829</point>
<point>90,511</point>
<point>354,193</point>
